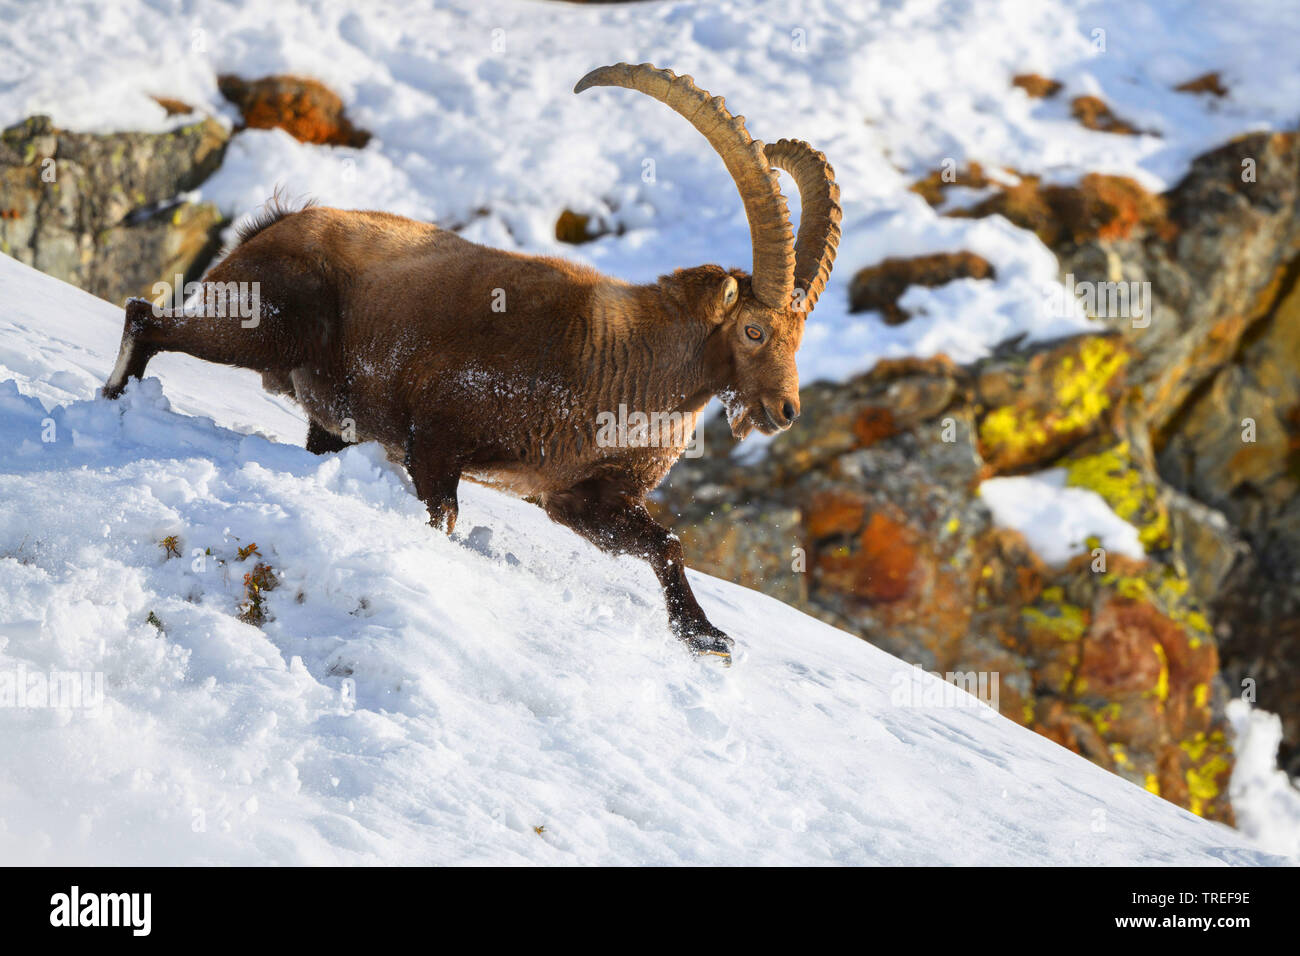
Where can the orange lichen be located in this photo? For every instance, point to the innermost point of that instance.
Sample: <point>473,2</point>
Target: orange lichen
<point>1036,85</point>
<point>880,286</point>
<point>1093,113</point>
<point>1205,83</point>
<point>304,108</point>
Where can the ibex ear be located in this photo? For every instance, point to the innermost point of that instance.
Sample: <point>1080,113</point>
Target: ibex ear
<point>730,291</point>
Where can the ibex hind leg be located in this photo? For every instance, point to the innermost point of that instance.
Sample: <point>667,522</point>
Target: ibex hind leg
<point>225,339</point>
<point>132,355</point>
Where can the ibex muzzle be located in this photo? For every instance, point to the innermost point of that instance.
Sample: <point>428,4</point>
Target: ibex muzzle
<point>468,361</point>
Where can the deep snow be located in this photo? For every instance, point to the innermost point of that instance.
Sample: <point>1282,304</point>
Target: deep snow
<point>511,696</point>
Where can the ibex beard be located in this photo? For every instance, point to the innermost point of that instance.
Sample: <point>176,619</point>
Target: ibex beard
<point>467,361</point>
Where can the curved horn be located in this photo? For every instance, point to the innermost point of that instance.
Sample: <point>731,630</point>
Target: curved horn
<point>819,218</point>
<point>769,220</point>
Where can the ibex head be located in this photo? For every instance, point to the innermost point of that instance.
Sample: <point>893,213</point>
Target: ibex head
<point>758,319</point>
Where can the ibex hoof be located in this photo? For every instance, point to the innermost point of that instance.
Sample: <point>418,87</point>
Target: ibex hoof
<point>442,516</point>
<point>705,640</point>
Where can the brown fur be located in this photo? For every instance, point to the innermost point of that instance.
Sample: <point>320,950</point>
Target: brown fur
<point>390,323</point>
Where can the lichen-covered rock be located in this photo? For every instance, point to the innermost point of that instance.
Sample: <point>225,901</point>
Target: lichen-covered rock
<point>102,211</point>
<point>576,228</point>
<point>175,240</point>
<point>1099,208</point>
<point>1216,371</point>
<point>304,108</point>
<point>1210,83</point>
<point>1036,85</point>
<point>1211,360</point>
<point>1236,447</point>
<point>1093,113</point>
<point>1217,276</point>
<point>1128,676</point>
<point>1036,404</point>
<point>880,286</point>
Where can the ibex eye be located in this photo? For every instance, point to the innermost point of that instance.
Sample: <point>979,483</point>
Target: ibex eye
<point>754,332</point>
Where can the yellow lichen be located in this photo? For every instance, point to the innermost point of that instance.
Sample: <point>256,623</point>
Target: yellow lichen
<point>1101,718</point>
<point>1113,476</point>
<point>1195,748</point>
<point>1161,690</point>
<point>1202,782</point>
<point>1081,398</point>
<point>1066,621</point>
<point>1133,588</point>
<point>1119,755</point>
<point>1082,388</point>
<point>1208,764</point>
<point>1007,427</point>
<point>1168,592</point>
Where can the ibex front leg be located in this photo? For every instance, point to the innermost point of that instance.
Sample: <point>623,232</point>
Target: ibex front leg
<point>322,441</point>
<point>618,523</point>
<point>435,471</point>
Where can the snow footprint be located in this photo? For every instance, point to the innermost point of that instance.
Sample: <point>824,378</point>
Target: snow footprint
<point>708,726</point>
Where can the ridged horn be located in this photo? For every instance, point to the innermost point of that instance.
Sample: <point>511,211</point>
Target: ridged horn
<point>770,234</point>
<point>819,217</point>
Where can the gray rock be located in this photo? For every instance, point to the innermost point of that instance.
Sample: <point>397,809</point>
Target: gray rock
<point>106,212</point>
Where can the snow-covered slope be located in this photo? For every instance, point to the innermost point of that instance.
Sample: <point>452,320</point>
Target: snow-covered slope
<point>510,696</point>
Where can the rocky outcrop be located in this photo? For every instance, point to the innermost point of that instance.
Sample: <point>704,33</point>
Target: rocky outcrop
<point>1216,371</point>
<point>576,228</point>
<point>1235,445</point>
<point>879,287</point>
<point>1093,113</point>
<point>1036,85</point>
<point>109,213</point>
<point>1210,83</point>
<point>304,108</point>
<point>106,212</point>
<point>1211,253</point>
<point>1215,267</point>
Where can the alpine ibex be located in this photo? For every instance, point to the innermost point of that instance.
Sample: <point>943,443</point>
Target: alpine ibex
<point>468,361</point>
